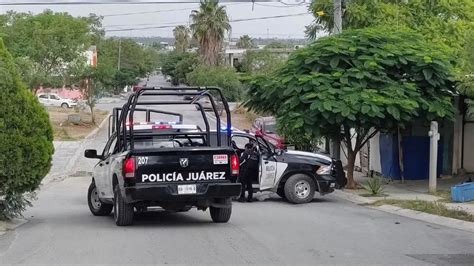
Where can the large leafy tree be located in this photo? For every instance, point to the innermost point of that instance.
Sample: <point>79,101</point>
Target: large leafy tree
<point>49,41</point>
<point>182,38</point>
<point>245,42</point>
<point>441,21</point>
<point>350,86</point>
<point>26,140</point>
<point>209,25</point>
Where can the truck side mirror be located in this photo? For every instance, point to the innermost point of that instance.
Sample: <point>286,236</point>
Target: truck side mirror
<point>92,154</point>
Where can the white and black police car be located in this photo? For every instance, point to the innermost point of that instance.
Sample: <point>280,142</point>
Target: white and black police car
<point>294,175</point>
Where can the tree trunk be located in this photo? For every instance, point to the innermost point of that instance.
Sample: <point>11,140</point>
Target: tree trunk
<point>92,113</point>
<point>351,157</point>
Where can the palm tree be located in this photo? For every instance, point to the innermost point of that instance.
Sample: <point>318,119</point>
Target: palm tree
<point>209,25</point>
<point>245,42</point>
<point>181,36</point>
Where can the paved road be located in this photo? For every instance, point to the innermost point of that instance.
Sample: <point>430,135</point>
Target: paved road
<point>327,231</point>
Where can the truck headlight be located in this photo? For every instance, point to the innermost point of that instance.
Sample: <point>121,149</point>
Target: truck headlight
<point>324,170</point>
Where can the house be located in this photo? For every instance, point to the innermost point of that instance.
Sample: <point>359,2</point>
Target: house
<point>234,55</point>
<point>406,153</point>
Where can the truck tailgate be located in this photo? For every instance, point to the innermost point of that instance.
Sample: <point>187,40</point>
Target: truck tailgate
<point>186,166</point>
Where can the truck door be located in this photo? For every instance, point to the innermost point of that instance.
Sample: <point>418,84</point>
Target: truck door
<point>268,165</point>
<point>102,172</point>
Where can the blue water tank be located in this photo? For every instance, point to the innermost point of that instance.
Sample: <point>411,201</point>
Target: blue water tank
<point>463,192</point>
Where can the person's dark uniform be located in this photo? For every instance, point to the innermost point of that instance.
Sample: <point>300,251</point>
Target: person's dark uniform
<point>248,170</point>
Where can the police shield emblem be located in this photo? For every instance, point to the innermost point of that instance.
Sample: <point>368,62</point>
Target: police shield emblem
<point>184,162</point>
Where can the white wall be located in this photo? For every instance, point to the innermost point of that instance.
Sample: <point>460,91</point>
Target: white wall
<point>374,163</point>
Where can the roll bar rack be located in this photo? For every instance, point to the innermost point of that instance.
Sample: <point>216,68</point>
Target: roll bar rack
<point>128,109</point>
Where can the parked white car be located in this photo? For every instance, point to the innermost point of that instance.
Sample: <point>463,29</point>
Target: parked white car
<point>52,99</point>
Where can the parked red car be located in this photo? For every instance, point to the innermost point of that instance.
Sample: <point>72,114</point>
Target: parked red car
<point>266,128</point>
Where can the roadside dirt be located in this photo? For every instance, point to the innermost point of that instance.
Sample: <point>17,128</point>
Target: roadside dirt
<point>66,130</point>
<point>241,118</point>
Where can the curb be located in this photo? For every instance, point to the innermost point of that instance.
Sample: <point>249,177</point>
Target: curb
<point>426,217</point>
<point>416,215</point>
<point>11,225</point>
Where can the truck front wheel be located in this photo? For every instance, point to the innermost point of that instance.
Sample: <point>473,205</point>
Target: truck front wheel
<point>95,205</point>
<point>299,189</point>
<point>123,212</point>
<point>221,215</point>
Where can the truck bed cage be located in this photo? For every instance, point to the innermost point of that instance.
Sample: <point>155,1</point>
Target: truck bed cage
<point>117,110</point>
<point>128,109</point>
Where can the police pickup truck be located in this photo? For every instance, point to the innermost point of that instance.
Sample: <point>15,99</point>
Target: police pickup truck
<point>165,164</point>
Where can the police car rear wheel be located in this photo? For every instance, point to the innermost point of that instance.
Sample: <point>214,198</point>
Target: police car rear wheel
<point>95,205</point>
<point>221,215</point>
<point>299,189</point>
<point>123,212</point>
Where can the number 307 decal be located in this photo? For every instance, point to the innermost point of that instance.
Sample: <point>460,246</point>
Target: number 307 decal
<point>142,160</point>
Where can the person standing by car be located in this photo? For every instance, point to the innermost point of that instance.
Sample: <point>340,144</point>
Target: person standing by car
<point>249,171</point>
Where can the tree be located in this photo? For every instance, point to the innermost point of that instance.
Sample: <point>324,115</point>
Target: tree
<point>186,65</point>
<point>135,61</point>
<point>350,86</point>
<point>50,40</point>
<point>261,62</point>
<point>182,39</point>
<point>209,25</point>
<point>224,77</point>
<point>26,140</point>
<point>245,42</point>
<point>277,45</point>
<point>439,21</point>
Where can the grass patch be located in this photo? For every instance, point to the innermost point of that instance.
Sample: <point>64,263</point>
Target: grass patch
<point>66,131</point>
<point>444,194</point>
<point>436,208</point>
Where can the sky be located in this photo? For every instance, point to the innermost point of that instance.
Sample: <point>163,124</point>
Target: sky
<point>153,15</point>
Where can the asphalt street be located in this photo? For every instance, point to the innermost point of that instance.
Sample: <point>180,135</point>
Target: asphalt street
<point>329,230</point>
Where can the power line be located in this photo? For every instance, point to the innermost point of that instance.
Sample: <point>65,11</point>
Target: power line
<point>116,2</point>
<point>235,20</point>
<point>160,11</point>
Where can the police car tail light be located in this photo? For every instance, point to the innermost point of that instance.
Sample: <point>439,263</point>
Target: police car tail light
<point>162,126</point>
<point>129,168</point>
<point>234,164</point>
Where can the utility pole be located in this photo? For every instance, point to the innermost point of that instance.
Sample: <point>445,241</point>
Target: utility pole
<point>336,145</point>
<point>434,138</point>
<point>337,17</point>
<point>119,53</point>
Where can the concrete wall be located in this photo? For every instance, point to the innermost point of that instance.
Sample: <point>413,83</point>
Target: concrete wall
<point>469,147</point>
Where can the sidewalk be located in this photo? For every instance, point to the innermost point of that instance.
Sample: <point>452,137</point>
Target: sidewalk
<point>413,190</point>
<point>68,156</point>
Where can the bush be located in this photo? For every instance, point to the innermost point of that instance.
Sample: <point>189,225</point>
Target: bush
<point>224,77</point>
<point>25,140</point>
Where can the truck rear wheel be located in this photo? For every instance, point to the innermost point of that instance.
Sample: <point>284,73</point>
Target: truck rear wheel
<point>221,215</point>
<point>299,189</point>
<point>95,205</point>
<point>123,212</point>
